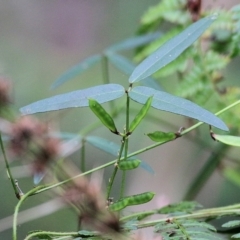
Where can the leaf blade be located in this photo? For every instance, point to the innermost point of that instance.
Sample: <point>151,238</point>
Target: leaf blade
<point>228,139</point>
<point>170,50</point>
<point>158,136</point>
<point>79,98</point>
<point>126,66</point>
<point>134,42</point>
<point>76,70</point>
<point>170,103</point>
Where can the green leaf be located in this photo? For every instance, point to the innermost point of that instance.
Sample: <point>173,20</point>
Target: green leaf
<point>227,139</point>
<point>167,102</point>
<point>236,235</point>
<point>232,223</point>
<point>139,198</point>
<point>101,93</point>
<point>76,70</point>
<point>113,149</point>
<point>171,49</point>
<point>102,115</point>
<point>126,66</point>
<point>161,136</point>
<point>142,113</point>
<point>133,42</point>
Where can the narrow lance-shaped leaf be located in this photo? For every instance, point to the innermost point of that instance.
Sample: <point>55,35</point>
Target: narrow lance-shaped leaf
<point>101,93</point>
<point>113,149</point>
<point>142,113</point>
<point>76,70</point>
<point>134,42</point>
<point>170,103</point>
<point>227,139</point>
<point>103,115</point>
<point>127,67</point>
<point>171,49</point>
<point>162,136</point>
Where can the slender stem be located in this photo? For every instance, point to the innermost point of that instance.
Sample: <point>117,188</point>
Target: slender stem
<point>201,214</point>
<point>57,234</point>
<point>8,168</point>
<point>23,198</point>
<point>105,73</point>
<point>206,172</point>
<point>123,182</point>
<point>111,180</point>
<point>83,165</point>
<point>132,154</point>
<point>218,113</point>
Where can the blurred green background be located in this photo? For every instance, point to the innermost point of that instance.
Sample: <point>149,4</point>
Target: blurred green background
<point>42,39</point>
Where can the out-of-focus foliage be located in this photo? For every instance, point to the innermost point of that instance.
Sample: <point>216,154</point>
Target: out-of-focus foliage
<point>200,69</point>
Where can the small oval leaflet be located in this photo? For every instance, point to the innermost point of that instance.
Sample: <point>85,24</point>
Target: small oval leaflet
<point>129,164</point>
<point>228,139</point>
<point>140,198</point>
<point>119,205</point>
<point>102,114</point>
<point>162,136</point>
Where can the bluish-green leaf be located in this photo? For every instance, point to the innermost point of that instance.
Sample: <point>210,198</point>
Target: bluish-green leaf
<point>227,139</point>
<point>101,93</point>
<point>134,42</point>
<point>171,49</point>
<point>161,136</point>
<point>76,70</point>
<point>113,149</point>
<point>126,66</point>
<point>167,102</point>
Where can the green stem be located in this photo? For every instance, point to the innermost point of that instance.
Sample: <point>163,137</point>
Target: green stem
<point>23,198</point>
<point>105,73</point>
<point>132,154</point>
<point>206,172</point>
<point>123,182</point>
<point>201,214</point>
<point>57,234</point>
<point>83,165</point>
<point>8,168</point>
<point>111,180</point>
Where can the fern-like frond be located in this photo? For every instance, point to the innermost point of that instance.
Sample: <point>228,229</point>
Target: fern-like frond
<point>169,10</point>
<point>214,61</point>
<point>182,207</point>
<point>224,21</point>
<point>191,83</point>
<point>185,229</point>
